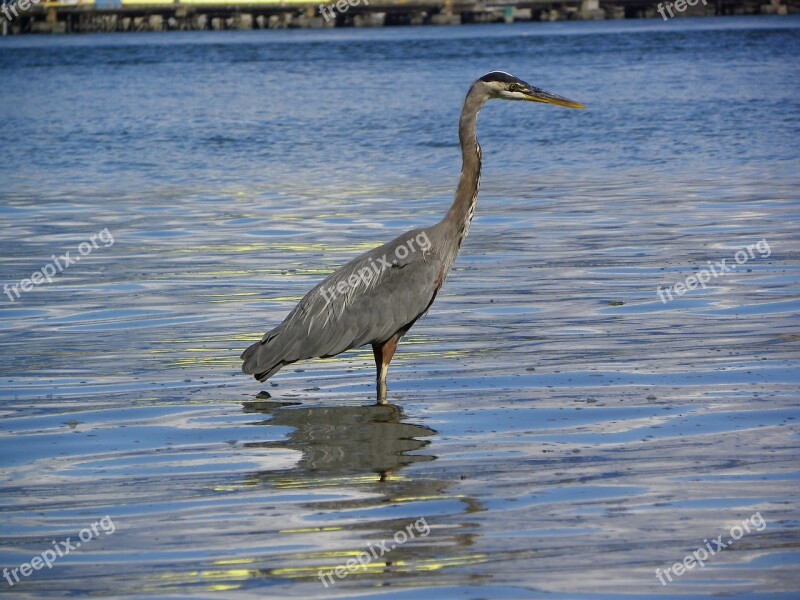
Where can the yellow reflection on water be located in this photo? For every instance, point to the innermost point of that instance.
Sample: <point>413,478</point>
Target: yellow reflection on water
<point>235,561</point>
<point>288,484</point>
<point>380,565</point>
<point>311,530</point>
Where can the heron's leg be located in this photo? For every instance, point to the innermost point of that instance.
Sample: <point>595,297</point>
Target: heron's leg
<point>383,356</point>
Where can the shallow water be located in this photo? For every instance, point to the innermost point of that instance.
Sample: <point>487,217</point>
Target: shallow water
<point>559,428</point>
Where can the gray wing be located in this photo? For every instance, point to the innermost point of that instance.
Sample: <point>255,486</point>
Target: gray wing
<point>368,300</point>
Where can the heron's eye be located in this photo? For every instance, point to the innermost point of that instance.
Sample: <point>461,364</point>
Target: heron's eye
<point>513,87</point>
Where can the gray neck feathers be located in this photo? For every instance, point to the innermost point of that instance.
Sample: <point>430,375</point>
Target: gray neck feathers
<point>460,215</point>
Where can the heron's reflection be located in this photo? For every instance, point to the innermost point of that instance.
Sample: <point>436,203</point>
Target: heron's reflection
<point>361,448</point>
<point>342,440</point>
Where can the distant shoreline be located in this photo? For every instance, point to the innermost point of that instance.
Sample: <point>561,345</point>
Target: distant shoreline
<point>19,17</point>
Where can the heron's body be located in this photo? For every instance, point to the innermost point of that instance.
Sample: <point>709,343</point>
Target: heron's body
<point>377,297</point>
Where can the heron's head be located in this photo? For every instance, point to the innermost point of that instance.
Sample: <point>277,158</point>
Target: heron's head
<point>505,86</point>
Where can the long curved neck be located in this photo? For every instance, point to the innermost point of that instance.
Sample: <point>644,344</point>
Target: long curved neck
<point>460,215</point>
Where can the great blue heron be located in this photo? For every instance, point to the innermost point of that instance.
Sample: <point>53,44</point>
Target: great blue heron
<point>377,297</point>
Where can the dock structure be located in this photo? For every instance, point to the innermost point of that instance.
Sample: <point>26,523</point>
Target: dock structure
<point>85,16</point>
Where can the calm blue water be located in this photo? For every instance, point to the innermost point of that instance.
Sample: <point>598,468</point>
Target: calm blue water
<point>559,428</point>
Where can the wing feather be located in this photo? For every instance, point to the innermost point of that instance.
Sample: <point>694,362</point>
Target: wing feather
<point>350,308</point>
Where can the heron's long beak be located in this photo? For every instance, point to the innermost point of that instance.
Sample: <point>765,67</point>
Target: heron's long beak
<point>536,95</point>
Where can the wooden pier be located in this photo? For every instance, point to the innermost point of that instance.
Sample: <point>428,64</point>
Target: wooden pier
<point>85,16</point>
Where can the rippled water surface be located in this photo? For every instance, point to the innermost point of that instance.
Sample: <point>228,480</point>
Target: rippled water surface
<point>562,431</point>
